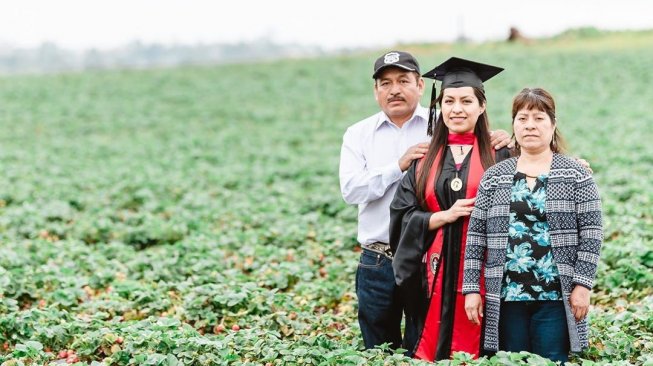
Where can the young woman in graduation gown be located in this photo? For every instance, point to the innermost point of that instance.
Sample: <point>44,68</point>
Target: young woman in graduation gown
<point>430,212</point>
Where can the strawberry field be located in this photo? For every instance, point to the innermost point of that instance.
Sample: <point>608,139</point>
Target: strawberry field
<point>193,216</point>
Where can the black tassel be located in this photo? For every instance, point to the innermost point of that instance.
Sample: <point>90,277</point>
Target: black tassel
<point>432,111</point>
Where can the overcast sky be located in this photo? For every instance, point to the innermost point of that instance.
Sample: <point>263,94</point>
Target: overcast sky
<point>81,24</point>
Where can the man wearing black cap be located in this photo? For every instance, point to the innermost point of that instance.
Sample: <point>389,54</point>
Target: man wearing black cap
<point>375,153</point>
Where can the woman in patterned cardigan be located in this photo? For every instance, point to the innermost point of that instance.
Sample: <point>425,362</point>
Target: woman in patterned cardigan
<point>536,232</point>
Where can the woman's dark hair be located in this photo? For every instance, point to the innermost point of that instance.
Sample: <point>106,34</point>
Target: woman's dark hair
<point>541,100</point>
<point>439,142</point>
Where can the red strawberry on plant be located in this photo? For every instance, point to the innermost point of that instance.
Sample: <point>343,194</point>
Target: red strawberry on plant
<point>72,358</point>
<point>235,327</point>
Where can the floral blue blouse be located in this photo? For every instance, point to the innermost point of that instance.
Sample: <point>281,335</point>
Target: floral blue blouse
<point>530,272</point>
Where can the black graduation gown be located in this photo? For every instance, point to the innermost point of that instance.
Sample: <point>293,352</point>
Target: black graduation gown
<point>410,234</point>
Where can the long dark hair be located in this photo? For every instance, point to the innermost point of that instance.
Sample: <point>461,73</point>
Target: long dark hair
<point>540,99</point>
<point>439,142</point>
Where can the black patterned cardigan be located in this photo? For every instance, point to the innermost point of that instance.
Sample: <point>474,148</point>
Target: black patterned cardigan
<point>573,211</point>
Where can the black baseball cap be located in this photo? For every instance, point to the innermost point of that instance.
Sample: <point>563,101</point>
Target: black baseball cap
<point>400,59</point>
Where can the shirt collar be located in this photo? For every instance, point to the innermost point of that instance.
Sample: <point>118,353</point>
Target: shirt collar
<point>420,112</point>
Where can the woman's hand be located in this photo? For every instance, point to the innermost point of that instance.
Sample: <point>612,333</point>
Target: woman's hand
<point>462,208</point>
<point>579,301</point>
<point>474,308</point>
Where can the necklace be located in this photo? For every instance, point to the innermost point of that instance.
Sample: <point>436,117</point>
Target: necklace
<point>534,176</point>
<point>465,139</point>
<point>457,183</point>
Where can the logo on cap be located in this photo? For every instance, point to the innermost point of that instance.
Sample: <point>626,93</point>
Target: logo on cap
<point>391,58</point>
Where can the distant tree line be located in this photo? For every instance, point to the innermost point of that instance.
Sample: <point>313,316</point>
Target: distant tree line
<point>49,57</point>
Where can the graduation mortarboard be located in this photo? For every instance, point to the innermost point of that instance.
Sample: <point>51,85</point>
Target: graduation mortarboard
<point>457,73</point>
<point>400,59</point>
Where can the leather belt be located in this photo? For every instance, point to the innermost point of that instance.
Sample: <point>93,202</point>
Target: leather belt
<point>380,248</point>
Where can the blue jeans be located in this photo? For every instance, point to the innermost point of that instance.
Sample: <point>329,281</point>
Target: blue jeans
<point>379,304</point>
<point>538,327</point>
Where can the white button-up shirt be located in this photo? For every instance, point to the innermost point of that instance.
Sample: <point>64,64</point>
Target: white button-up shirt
<point>369,168</point>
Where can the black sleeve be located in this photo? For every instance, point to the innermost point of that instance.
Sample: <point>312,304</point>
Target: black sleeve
<point>410,236</point>
<point>503,154</point>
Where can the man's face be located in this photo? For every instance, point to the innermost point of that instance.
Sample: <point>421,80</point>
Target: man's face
<point>398,92</point>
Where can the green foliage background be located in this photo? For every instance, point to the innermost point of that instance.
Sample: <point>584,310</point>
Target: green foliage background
<point>164,207</point>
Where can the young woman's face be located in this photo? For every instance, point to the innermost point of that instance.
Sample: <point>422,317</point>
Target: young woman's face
<point>461,109</point>
<point>533,130</point>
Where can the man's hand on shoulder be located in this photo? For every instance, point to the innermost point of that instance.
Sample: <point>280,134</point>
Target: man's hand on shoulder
<point>585,164</point>
<point>414,152</point>
<point>501,138</point>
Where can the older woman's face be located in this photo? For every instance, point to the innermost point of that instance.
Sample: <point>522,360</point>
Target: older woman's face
<point>533,130</point>
<point>461,109</point>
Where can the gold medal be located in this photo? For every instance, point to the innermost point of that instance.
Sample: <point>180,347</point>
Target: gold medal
<point>456,184</point>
